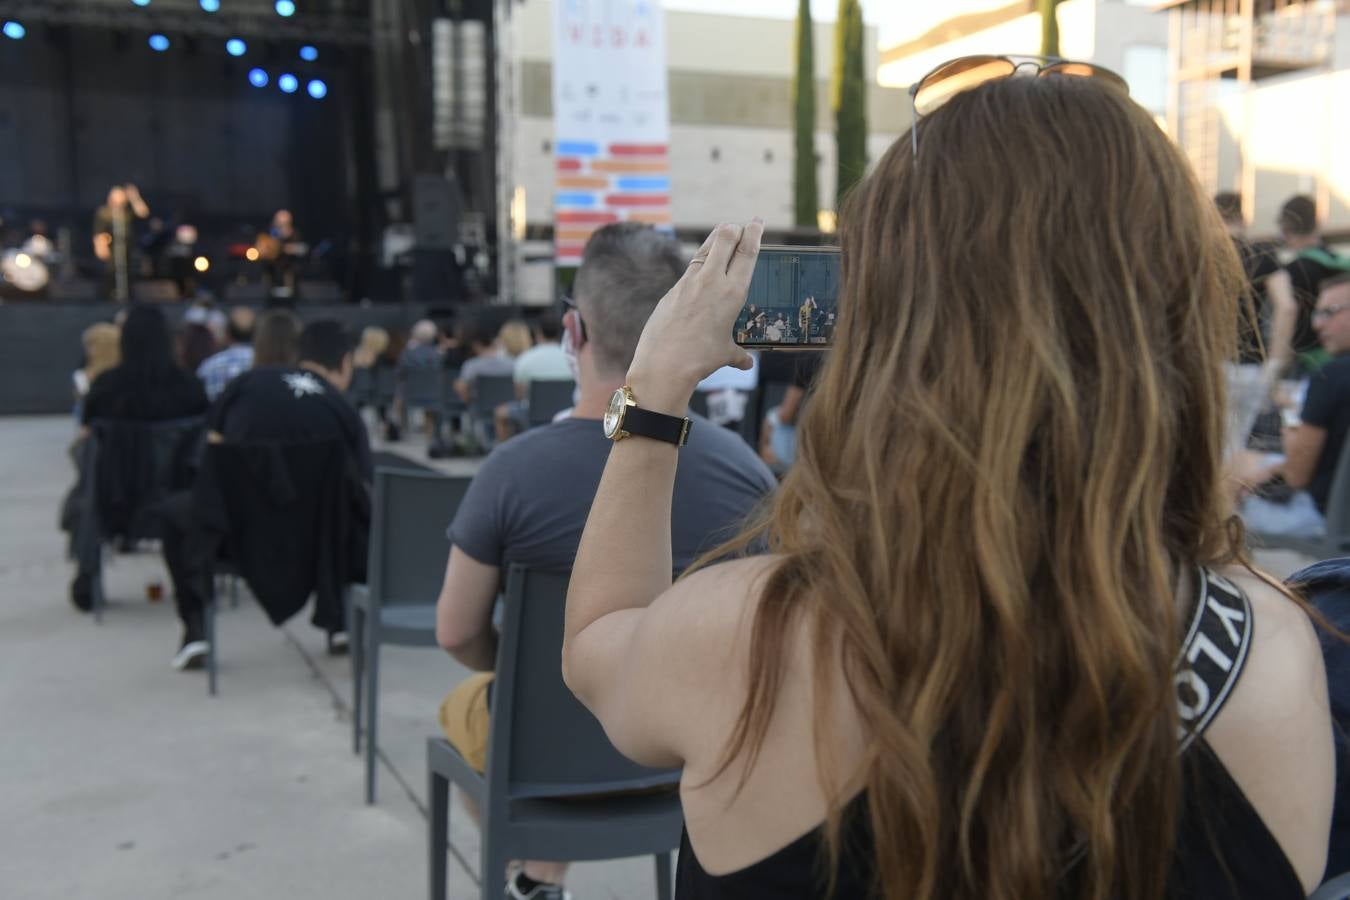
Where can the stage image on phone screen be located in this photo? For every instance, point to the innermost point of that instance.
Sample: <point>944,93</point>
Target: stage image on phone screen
<point>793,299</point>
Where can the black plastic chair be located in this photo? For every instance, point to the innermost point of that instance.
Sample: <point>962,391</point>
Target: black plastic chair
<point>555,787</point>
<point>397,605</point>
<point>1337,888</point>
<point>168,454</point>
<point>548,398</point>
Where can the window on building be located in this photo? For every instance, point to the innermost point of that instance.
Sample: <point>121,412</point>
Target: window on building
<point>1146,70</point>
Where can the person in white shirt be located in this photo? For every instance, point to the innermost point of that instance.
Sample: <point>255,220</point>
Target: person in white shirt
<point>545,361</point>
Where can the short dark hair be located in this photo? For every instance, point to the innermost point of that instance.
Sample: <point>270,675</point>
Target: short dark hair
<point>550,326</point>
<point>625,271</point>
<point>473,330</point>
<point>275,337</point>
<point>325,342</point>
<point>239,325</point>
<point>1229,204</point>
<point>1333,281</point>
<point>1298,215</point>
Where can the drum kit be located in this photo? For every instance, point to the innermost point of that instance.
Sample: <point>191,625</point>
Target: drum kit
<point>25,271</point>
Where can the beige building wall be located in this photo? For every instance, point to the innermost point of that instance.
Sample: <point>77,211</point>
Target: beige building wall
<point>731,138</point>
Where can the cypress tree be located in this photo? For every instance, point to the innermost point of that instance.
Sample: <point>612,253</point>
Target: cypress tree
<point>1049,27</point>
<point>849,99</point>
<point>805,191</point>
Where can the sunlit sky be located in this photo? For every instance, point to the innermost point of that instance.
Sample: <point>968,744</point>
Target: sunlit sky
<point>885,14</point>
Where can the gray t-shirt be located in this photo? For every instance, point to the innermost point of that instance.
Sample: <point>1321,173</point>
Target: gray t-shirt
<point>478,366</point>
<point>528,503</point>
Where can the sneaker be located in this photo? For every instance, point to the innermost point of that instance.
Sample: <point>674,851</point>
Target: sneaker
<point>192,654</point>
<point>338,645</point>
<point>516,889</point>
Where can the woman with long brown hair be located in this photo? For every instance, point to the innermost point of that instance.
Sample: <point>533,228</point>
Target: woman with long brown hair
<point>1006,643</point>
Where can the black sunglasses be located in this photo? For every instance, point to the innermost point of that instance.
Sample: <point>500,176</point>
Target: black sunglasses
<point>968,72</point>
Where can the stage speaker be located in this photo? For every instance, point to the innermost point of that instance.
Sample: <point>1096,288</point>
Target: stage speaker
<point>436,209</point>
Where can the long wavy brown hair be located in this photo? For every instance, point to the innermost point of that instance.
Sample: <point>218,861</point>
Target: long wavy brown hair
<point>1011,456</point>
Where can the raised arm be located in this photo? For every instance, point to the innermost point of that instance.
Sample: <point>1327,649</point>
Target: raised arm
<point>624,560</point>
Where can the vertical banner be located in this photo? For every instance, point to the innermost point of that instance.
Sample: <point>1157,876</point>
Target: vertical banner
<point>611,119</point>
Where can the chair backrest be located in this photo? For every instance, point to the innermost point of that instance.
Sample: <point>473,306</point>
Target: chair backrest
<point>490,392</point>
<point>422,387</point>
<point>548,398</point>
<point>408,543</point>
<point>386,384</point>
<point>362,388</point>
<point>544,742</point>
<point>165,456</point>
<point>1337,888</point>
<point>1338,503</point>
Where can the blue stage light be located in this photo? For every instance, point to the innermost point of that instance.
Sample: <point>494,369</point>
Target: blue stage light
<point>308,53</point>
<point>285,7</point>
<point>317,89</point>
<point>14,31</point>
<point>141,2</point>
<point>288,83</point>
<point>236,47</point>
<point>159,43</point>
<point>210,5</point>
<point>258,78</point>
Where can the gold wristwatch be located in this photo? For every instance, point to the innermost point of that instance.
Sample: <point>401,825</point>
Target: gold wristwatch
<point>624,418</point>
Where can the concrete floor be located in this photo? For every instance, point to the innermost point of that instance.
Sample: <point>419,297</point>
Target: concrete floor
<point>121,780</point>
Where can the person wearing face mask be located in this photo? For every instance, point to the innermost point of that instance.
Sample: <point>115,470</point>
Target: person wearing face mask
<point>528,502</point>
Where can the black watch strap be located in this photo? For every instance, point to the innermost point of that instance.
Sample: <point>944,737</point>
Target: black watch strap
<point>645,423</point>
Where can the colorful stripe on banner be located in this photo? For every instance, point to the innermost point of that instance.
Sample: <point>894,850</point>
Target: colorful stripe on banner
<point>573,235</point>
<point>643,184</point>
<point>648,217</point>
<point>574,199</point>
<point>578,148</point>
<point>637,200</point>
<point>570,252</point>
<point>623,165</point>
<point>593,182</point>
<point>569,165</point>
<point>587,218</point>
<point>637,149</point>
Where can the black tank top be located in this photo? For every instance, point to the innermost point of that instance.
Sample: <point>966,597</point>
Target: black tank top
<point>1223,851</point>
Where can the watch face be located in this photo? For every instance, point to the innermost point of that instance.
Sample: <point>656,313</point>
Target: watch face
<point>614,414</point>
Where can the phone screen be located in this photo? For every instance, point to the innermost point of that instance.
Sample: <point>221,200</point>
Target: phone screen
<point>793,300</point>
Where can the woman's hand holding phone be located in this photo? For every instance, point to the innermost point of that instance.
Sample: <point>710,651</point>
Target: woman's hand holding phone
<point>689,335</point>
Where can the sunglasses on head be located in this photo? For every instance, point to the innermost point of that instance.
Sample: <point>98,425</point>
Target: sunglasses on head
<point>968,72</point>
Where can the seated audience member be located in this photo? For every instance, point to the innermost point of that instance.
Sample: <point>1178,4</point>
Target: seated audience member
<point>515,338</point>
<point>421,353</point>
<point>545,361</point>
<point>276,339</point>
<point>370,356</point>
<point>101,352</point>
<point>1004,642</point>
<point>237,357</point>
<point>1312,448</point>
<point>778,438</point>
<point>528,502</point>
<point>1314,262</point>
<point>484,359</point>
<point>1265,328</point>
<point>298,403</point>
<point>146,386</point>
<point>193,345</point>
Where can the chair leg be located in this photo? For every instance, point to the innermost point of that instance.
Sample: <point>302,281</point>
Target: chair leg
<point>438,829</point>
<point>372,676</point>
<point>492,864</point>
<point>664,882</point>
<point>234,592</point>
<point>96,589</point>
<point>210,628</point>
<point>356,617</point>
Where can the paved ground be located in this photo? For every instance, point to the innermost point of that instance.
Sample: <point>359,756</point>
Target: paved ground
<point>121,780</point>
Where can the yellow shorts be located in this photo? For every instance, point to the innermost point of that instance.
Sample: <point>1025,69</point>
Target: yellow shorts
<point>464,719</point>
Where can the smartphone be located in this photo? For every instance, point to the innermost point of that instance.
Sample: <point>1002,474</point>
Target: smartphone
<point>793,300</point>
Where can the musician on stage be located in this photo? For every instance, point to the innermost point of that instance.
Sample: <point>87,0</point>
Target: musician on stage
<point>282,248</point>
<point>804,315</point>
<point>114,239</point>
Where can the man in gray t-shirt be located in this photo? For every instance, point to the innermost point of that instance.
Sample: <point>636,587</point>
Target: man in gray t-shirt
<point>528,503</point>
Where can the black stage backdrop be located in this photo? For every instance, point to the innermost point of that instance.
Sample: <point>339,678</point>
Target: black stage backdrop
<point>82,109</point>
